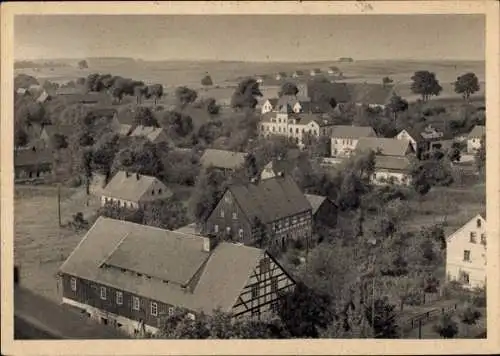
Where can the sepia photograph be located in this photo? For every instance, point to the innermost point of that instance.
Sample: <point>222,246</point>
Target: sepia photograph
<point>249,176</point>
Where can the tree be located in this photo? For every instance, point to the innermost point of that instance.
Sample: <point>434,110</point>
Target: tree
<point>114,211</point>
<point>105,150</point>
<point>446,327</point>
<point>144,116</point>
<point>20,137</point>
<point>466,84</point>
<point>185,96</point>
<point>206,81</point>
<point>245,94</point>
<point>87,168</point>
<point>383,321</point>
<point>454,153</point>
<point>480,157</point>
<point>288,88</point>
<point>208,190</point>
<point>139,93</point>
<point>169,214</point>
<point>24,81</point>
<point>386,81</point>
<point>425,84</point>
<point>59,141</point>
<point>139,156</point>
<point>83,64</point>
<point>155,91</point>
<point>211,106</point>
<point>396,105</point>
<point>434,171</point>
<point>178,123</point>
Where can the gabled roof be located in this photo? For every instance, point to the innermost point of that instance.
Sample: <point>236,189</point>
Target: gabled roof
<point>168,257</point>
<point>345,131</point>
<point>32,157</point>
<point>481,215</point>
<point>222,159</point>
<point>132,187</point>
<point>270,199</point>
<point>391,163</point>
<point>384,146</point>
<point>273,101</point>
<point>150,132</point>
<point>316,201</point>
<point>477,132</point>
<point>374,94</point>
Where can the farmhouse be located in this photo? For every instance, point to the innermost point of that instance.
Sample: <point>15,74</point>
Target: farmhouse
<point>227,161</point>
<point>333,71</point>
<point>298,74</point>
<point>280,75</point>
<point>466,254</point>
<point>134,190</point>
<point>314,72</point>
<point>324,210</point>
<point>391,170</point>
<point>153,134</point>
<point>345,138</point>
<point>32,164</point>
<point>296,103</point>
<point>474,138</point>
<point>385,146</point>
<point>425,140</point>
<point>130,276</point>
<point>273,210</point>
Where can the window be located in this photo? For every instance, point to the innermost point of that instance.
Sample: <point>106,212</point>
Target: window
<point>240,233</point>
<point>119,298</point>
<point>483,238</point>
<point>235,216</point>
<point>228,230</point>
<point>464,277</point>
<point>103,293</point>
<point>136,303</point>
<point>159,191</point>
<point>256,313</point>
<point>291,130</point>
<point>153,192</point>
<point>472,237</point>
<point>73,284</point>
<point>154,309</point>
<point>467,255</point>
<point>264,265</point>
<point>216,228</point>
<point>255,291</point>
<point>296,130</point>
<point>170,310</point>
<point>222,213</point>
<point>227,198</point>
<point>478,222</point>
<point>275,306</point>
<point>274,284</point>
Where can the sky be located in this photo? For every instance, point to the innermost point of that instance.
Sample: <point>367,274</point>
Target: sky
<point>291,38</point>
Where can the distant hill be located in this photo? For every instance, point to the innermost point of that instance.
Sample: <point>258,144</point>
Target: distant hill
<point>109,61</point>
<point>38,64</point>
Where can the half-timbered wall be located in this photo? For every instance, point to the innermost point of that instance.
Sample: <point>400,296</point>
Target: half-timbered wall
<point>262,291</point>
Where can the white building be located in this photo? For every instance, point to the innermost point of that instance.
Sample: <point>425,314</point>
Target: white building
<point>474,138</point>
<point>344,139</point>
<point>466,254</point>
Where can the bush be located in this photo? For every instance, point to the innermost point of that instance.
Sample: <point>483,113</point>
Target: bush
<point>479,298</point>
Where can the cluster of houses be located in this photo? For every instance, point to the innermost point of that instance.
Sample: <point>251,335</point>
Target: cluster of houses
<point>331,71</point>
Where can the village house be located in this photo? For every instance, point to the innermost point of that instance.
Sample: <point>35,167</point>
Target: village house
<point>333,71</point>
<point>298,104</point>
<point>132,276</point>
<point>280,75</point>
<point>273,211</point>
<point>261,78</point>
<point>223,160</point>
<point>474,138</point>
<point>324,210</point>
<point>314,72</point>
<point>385,146</point>
<point>123,122</point>
<point>32,164</point>
<point>295,126</point>
<point>153,134</point>
<point>281,165</point>
<point>425,140</point>
<point>466,254</point>
<point>391,170</point>
<point>344,139</point>
<point>134,190</point>
<point>298,74</point>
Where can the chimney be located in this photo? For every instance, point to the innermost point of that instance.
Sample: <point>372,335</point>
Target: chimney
<point>137,176</point>
<point>209,243</point>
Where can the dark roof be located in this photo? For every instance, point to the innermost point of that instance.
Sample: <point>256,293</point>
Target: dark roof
<point>32,157</point>
<point>392,163</point>
<point>370,93</point>
<point>345,131</point>
<point>222,159</point>
<point>270,199</point>
<point>339,91</point>
<point>477,132</point>
<point>316,201</point>
<point>386,146</point>
<point>170,257</point>
<point>133,187</point>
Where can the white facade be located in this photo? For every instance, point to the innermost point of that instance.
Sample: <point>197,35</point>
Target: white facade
<point>473,144</point>
<point>343,147</point>
<point>383,177</point>
<point>282,125</point>
<point>466,254</point>
<point>404,135</point>
<point>121,202</point>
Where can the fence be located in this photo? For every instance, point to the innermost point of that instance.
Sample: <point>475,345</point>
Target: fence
<point>421,319</point>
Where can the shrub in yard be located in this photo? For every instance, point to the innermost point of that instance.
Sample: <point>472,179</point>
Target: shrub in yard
<point>479,298</point>
<point>470,315</point>
<point>446,327</point>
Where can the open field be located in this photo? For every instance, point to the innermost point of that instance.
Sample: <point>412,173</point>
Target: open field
<point>40,245</point>
<point>225,74</point>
